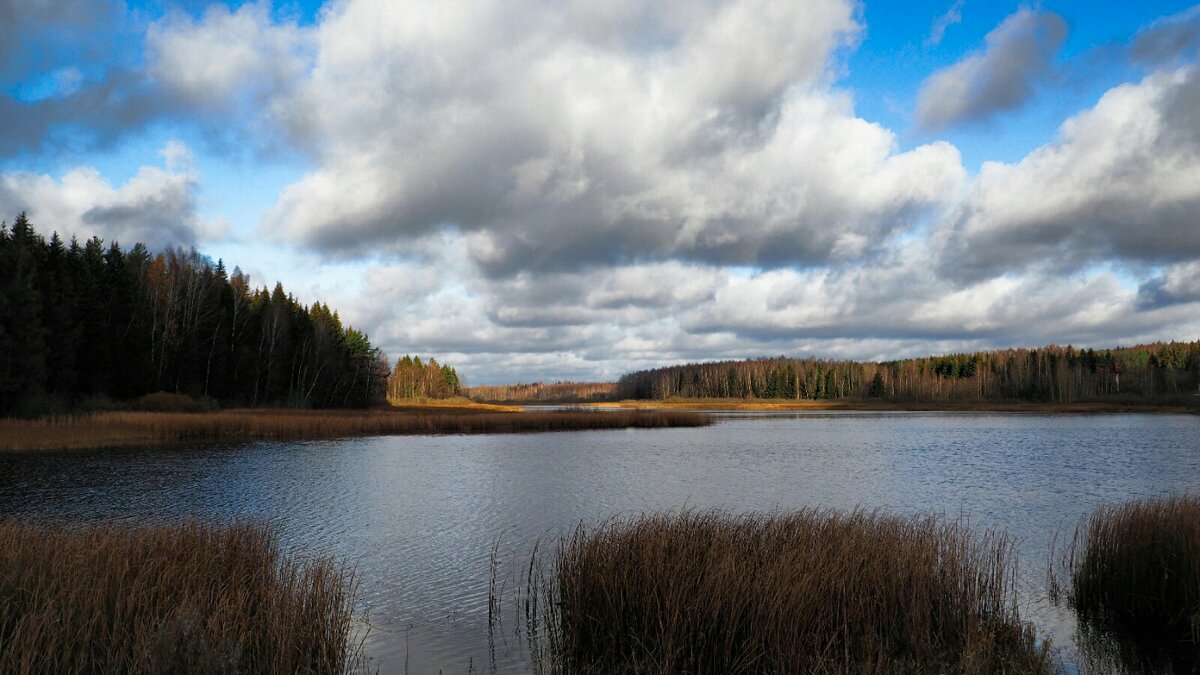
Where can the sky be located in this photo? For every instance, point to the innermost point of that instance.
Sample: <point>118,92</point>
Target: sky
<point>542,191</point>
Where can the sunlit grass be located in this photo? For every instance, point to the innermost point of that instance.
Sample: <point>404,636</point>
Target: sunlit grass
<point>113,429</point>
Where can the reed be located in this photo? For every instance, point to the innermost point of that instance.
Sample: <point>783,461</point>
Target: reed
<point>185,598</point>
<point>115,429</point>
<point>1132,575</point>
<point>814,591</point>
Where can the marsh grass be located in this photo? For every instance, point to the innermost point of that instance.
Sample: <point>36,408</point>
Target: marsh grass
<point>115,429</point>
<point>814,591</point>
<point>1132,575</point>
<point>186,598</point>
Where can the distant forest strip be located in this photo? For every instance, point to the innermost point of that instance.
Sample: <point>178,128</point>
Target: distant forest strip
<point>81,323</point>
<point>558,392</point>
<point>1156,372</point>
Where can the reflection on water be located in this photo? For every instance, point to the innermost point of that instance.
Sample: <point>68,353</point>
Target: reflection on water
<point>419,515</point>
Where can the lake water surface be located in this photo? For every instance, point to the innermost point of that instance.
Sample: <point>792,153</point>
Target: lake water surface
<point>419,516</point>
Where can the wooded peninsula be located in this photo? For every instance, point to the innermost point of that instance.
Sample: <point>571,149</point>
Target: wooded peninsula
<point>91,328</point>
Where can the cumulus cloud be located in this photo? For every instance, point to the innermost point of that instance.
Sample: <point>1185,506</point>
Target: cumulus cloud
<point>555,142</point>
<point>226,55</point>
<point>601,322</point>
<point>1019,52</point>
<point>1122,182</point>
<point>1178,283</point>
<point>534,190</point>
<point>1168,39</point>
<point>157,206</point>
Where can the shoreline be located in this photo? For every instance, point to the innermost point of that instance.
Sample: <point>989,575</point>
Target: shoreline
<point>109,430</point>
<point>1029,407</point>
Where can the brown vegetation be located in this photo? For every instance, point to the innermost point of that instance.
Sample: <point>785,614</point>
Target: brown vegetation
<point>186,598</point>
<point>1132,574</point>
<point>115,429</point>
<point>811,592</point>
<point>558,392</point>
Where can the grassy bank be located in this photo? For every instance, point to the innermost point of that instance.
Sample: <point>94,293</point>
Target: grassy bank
<point>117,429</point>
<point>811,592</point>
<point>739,404</point>
<point>186,598</point>
<point>1132,575</point>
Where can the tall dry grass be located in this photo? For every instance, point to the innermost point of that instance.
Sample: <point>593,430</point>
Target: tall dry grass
<point>1132,575</point>
<point>187,598</point>
<point>811,592</point>
<point>115,429</point>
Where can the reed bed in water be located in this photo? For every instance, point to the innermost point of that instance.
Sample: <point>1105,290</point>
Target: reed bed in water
<point>810,592</point>
<point>186,598</point>
<point>112,429</point>
<point>1132,575</point>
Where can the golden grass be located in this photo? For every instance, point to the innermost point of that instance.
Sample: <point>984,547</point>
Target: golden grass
<point>454,403</point>
<point>1132,575</point>
<point>116,429</point>
<point>811,592</point>
<point>187,598</point>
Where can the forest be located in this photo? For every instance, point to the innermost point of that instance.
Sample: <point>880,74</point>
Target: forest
<point>1053,373</point>
<point>414,379</point>
<point>85,324</point>
<point>537,392</point>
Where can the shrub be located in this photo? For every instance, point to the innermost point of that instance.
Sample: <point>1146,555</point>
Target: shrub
<point>187,598</point>
<point>1132,575</point>
<point>810,592</point>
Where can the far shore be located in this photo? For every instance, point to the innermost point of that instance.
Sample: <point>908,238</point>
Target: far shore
<point>851,405</point>
<point>116,429</point>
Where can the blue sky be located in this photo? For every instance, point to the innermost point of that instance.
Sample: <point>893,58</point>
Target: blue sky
<point>535,190</point>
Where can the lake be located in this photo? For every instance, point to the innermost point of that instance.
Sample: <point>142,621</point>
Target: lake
<point>419,516</point>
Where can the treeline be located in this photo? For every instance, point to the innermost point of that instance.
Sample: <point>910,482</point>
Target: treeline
<point>413,378</point>
<point>1052,374</point>
<point>557,392</point>
<point>82,322</point>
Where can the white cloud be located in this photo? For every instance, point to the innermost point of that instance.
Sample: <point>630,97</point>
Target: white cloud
<point>225,55</point>
<point>1122,182</point>
<point>1001,77</point>
<point>554,143</point>
<point>157,206</point>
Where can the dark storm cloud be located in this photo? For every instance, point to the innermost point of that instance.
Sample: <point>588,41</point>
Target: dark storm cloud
<point>1019,54</point>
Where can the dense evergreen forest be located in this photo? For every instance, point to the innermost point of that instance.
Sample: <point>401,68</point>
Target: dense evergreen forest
<point>537,392</point>
<point>81,323</point>
<point>1049,374</point>
<point>416,379</point>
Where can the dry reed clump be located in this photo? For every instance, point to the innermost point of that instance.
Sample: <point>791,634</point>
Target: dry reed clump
<point>811,592</point>
<point>1132,575</point>
<point>114,429</point>
<point>186,598</point>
